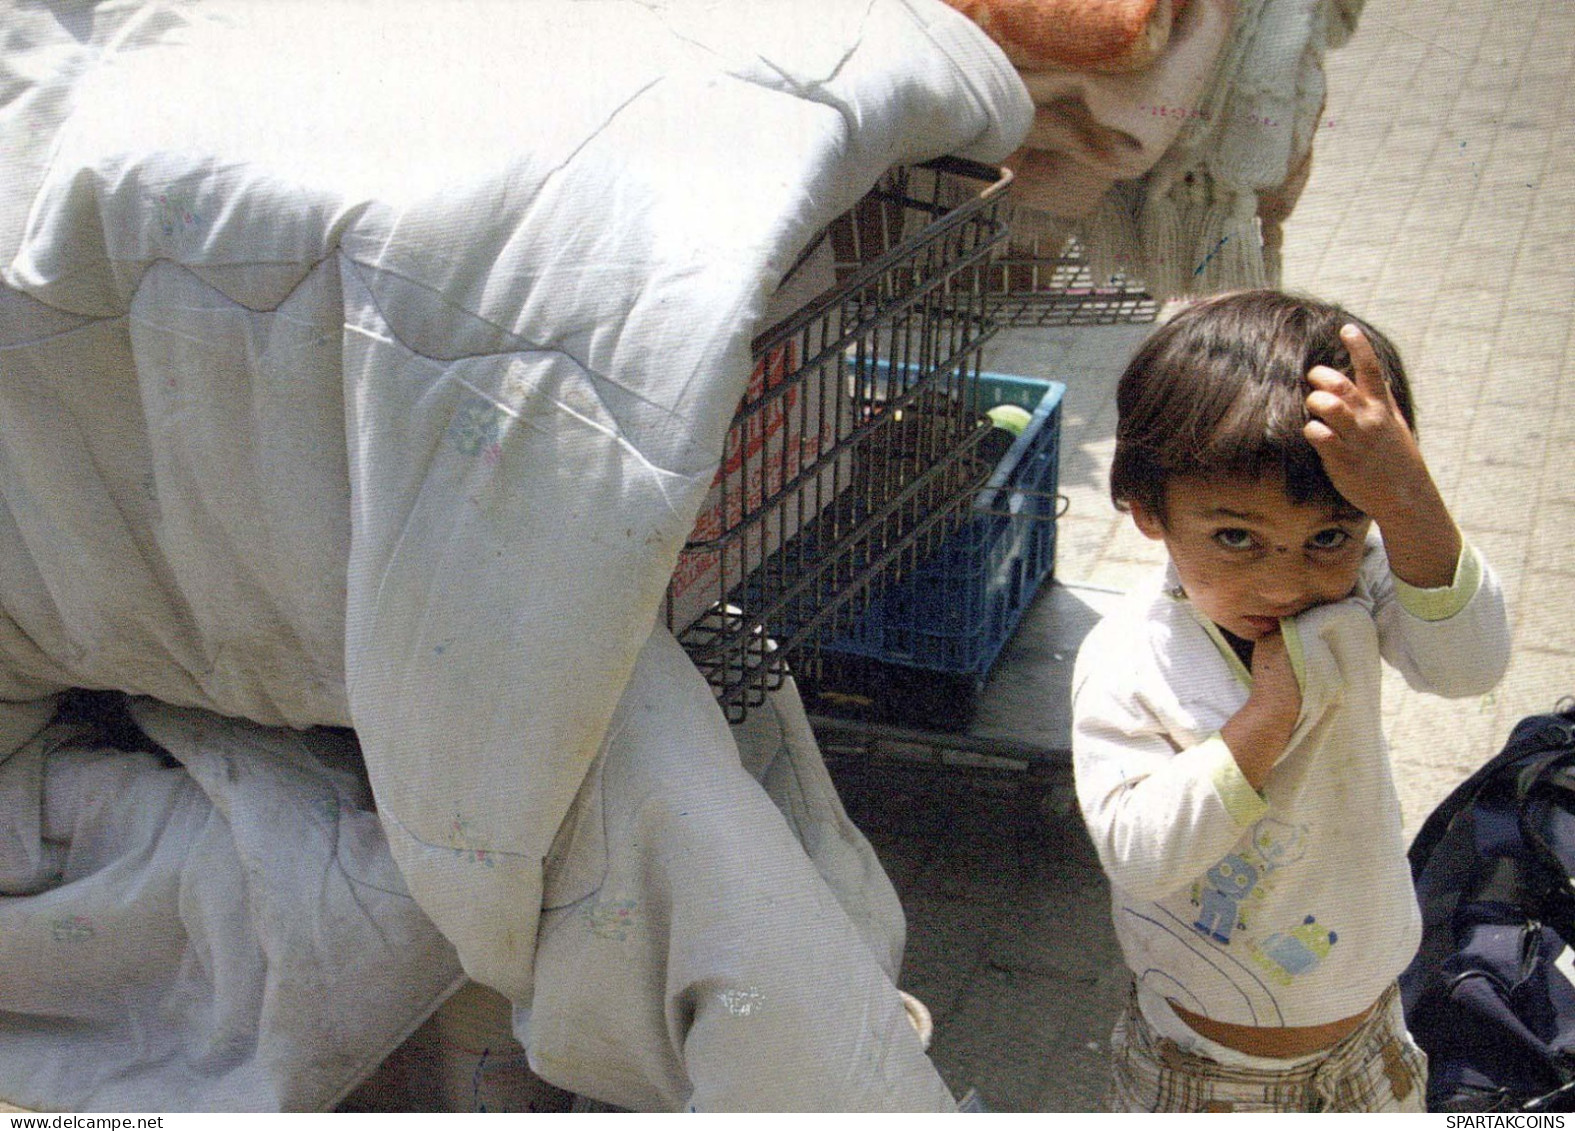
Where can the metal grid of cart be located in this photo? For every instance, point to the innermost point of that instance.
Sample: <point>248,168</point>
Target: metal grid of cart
<point>856,452</point>
<point>853,452</point>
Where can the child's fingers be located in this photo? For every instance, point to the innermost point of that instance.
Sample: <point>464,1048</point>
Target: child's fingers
<point>1367,369</point>
<point>1332,380</point>
<point>1317,432</point>
<point>1331,410</point>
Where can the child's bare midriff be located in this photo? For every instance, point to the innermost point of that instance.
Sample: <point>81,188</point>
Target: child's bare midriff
<point>1281,1043</point>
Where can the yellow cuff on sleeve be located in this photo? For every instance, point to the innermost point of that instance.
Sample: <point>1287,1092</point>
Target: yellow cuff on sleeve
<point>1244,804</point>
<point>1443,603</point>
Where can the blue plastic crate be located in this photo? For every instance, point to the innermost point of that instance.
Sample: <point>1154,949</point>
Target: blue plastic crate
<point>955,611</point>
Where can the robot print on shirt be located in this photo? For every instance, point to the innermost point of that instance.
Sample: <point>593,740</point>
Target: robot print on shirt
<point>1226,889</point>
<point>1285,954</point>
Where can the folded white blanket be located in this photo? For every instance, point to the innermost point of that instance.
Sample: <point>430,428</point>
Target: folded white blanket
<point>368,365</point>
<point>184,927</point>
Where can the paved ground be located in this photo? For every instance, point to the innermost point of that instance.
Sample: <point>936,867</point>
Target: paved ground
<point>1442,207</point>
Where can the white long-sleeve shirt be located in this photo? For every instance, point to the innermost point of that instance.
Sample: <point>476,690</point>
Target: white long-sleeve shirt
<point>1294,905</point>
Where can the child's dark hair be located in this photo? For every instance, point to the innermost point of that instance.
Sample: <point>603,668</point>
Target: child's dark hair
<point>1221,389</point>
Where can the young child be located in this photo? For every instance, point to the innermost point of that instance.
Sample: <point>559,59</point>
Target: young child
<point>1228,745</point>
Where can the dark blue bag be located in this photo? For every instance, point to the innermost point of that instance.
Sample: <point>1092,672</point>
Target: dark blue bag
<point>1490,996</point>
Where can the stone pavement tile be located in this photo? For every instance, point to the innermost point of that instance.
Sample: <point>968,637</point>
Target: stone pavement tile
<point>1559,159</point>
<point>1440,202</point>
<point>1392,147</point>
<point>1552,197</point>
<point>1474,117</point>
<point>1508,554</point>
<point>1311,243</point>
<point>1349,282</point>
<point>1086,500</point>
<point>1452,373</point>
<point>1479,499</point>
<point>1369,231</point>
<point>1008,984</point>
<point>1081,402</point>
<point>1085,459</point>
<point>1448,735</point>
<point>1341,183</point>
<point>1082,1052</point>
<point>1543,622</point>
<point>1070,942</point>
<point>1321,213</point>
<point>1403,318</point>
<point>1557,485</point>
<point>1469,304</point>
<point>1395,695</point>
<point>1092,414</point>
<point>906,860</point>
<point>1535,683</point>
<point>1459,34</point>
<point>1409,281</point>
<point>1468,351</point>
<point>1547,64</point>
<point>946,941</point>
<point>1098,448</point>
<point>1066,353</point>
<point>1129,544</point>
<point>984,829</point>
<point>1422,783</point>
<point>1444,447</point>
<point>1462,167</point>
<point>1506,435</point>
<point>1040,1067</point>
<point>1527,382</point>
<point>1079,544</point>
<point>1500,213</point>
<point>1121,576</point>
<point>1478,262</point>
<point>1542,293</point>
<point>1508,186</point>
<point>949,841</point>
<point>1549,329</point>
<point>1553,538</point>
<point>1035,352</point>
<point>1048,978</point>
<point>1099,433</point>
<point>1544,253</point>
<point>1357,255</point>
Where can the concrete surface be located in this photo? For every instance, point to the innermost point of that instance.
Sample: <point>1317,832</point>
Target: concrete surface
<point>1442,208</point>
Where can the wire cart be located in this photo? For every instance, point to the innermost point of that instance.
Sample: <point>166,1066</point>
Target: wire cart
<point>1031,285</point>
<point>853,453</point>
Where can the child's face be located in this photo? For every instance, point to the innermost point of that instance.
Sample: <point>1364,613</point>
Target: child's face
<point>1248,556</point>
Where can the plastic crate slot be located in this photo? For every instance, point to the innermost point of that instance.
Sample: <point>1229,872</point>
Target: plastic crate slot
<point>954,612</point>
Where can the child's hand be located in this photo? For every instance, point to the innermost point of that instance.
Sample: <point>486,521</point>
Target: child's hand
<point>1258,733</point>
<point>1358,431</point>
<point>1373,460</point>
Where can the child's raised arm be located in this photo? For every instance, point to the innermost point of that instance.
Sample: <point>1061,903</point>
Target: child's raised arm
<point>1373,460</point>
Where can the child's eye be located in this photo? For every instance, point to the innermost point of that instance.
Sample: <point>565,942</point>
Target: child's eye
<point>1331,539</point>
<point>1234,538</point>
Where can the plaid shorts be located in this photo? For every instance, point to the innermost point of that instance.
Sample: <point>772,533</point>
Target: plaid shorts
<point>1377,1067</point>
